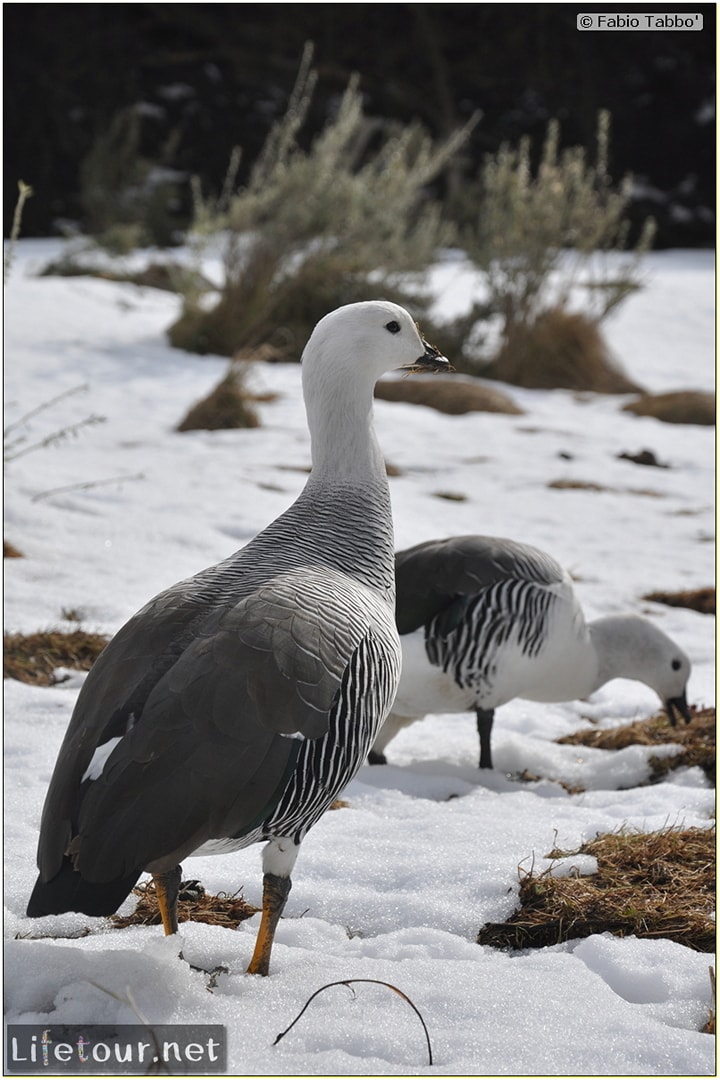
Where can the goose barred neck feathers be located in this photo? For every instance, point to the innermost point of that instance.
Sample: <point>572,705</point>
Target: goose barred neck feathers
<point>343,526</point>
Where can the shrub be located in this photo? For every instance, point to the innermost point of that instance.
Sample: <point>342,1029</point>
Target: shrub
<point>347,220</point>
<point>544,238</point>
<point>127,198</point>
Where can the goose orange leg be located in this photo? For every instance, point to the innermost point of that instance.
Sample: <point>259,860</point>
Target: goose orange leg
<point>167,887</point>
<point>275,892</point>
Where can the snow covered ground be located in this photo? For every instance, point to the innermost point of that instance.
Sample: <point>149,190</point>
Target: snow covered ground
<point>396,886</point>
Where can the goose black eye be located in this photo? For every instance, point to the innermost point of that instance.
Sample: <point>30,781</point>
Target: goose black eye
<point>393,327</point>
<point>676,665</point>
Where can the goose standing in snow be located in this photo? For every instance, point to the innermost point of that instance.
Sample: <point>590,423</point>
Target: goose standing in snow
<point>236,705</point>
<point>484,620</point>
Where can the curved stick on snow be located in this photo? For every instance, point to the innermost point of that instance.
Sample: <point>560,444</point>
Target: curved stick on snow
<point>347,982</point>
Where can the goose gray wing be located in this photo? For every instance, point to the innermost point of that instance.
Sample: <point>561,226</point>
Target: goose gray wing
<point>441,575</point>
<point>216,740</point>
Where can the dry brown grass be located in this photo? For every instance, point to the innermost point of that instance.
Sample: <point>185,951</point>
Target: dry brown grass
<point>651,885</point>
<point>709,1028</point>
<point>677,407</point>
<point>10,551</point>
<point>643,457</point>
<point>194,905</point>
<point>169,277</point>
<point>702,600</point>
<point>456,395</point>
<point>229,405</point>
<point>33,658</point>
<point>561,349</point>
<point>697,740</point>
<point>589,485</point>
<point>450,496</point>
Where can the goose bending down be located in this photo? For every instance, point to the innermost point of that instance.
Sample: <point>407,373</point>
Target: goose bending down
<point>484,620</point>
<point>236,705</point>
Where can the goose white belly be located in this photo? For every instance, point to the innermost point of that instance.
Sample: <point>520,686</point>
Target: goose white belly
<point>425,688</point>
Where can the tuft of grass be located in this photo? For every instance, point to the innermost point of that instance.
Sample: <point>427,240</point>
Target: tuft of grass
<point>650,885</point>
<point>589,485</point>
<point>450,496</point>
<point>643,457</point>
<point>676,407</point>
<point>559,348</point>
<point>194,905</point>
<point>576,485</point>
<point>696,738</point>
<point>33,658</point>
<point>702,600</point>
<point>166,276</point>
<point>455,396</point>
<point>228,405</point>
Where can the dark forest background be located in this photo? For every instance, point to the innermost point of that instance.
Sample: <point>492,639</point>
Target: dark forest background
<point>203,78</point>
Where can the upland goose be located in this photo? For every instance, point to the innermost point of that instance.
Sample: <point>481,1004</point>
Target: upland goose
<point>236,705</point>
<point>484,620</point>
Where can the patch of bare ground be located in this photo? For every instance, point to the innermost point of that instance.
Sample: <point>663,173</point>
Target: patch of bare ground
<point>10,551</point>
<point>455,395</point>
<point>702,600</point>
<point>194,905</point>
<point>697,740</point>
<point>650,885</point>
<point>34,658</point>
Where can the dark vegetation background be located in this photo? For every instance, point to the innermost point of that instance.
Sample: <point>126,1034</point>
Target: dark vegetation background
<point>206,77</point>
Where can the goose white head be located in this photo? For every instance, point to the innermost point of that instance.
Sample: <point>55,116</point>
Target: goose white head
<point>631,647</point>
<point>346,354</point>
<point>373,336</point>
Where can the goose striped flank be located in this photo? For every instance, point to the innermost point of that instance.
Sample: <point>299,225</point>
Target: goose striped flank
<point>484,620</point>
<point>236,705</point>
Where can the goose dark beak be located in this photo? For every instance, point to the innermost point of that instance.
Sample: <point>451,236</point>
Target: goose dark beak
<point>677,708</point>
<point>431,360</point>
